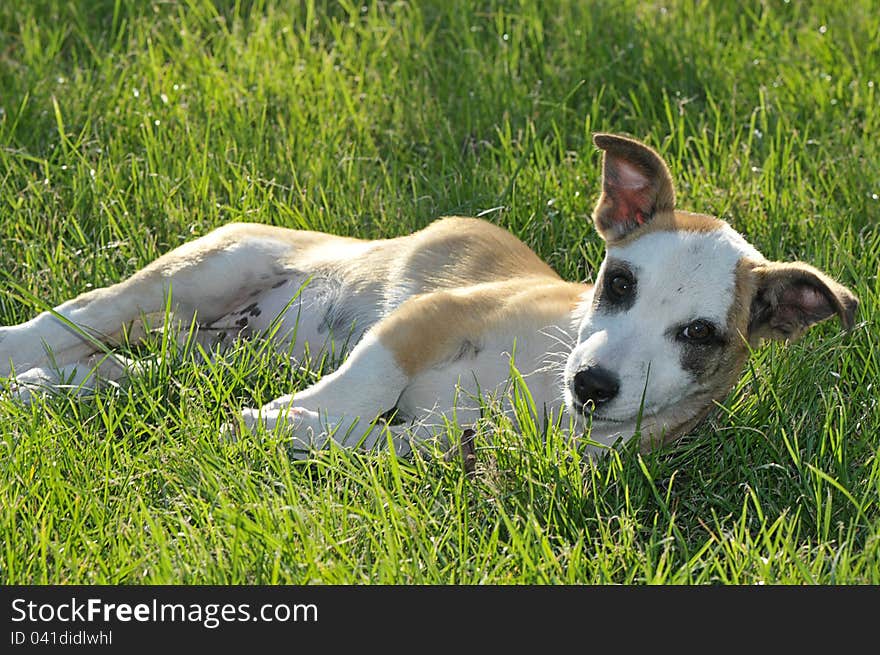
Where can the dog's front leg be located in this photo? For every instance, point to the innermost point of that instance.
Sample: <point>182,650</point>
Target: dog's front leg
<point>344,405</point>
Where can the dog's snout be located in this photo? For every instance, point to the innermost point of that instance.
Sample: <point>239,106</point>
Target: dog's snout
<point>595,385</point>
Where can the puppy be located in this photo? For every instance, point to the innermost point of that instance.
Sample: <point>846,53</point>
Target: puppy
<point>438,318</point>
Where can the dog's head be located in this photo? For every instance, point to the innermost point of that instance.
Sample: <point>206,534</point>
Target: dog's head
<point>677,303</point>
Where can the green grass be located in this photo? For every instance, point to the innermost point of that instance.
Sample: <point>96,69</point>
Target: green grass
<point>127,128</point>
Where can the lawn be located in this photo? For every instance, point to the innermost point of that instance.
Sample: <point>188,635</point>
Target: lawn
<point>127,128</point>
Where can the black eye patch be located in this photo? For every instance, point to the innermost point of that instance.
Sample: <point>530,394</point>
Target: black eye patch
<point>617,288</point>
<point>702,346</point>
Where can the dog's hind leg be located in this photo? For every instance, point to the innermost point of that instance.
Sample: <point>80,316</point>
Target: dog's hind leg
<point>199,281</point>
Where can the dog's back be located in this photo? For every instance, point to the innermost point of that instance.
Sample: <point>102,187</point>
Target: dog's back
<point>344,286</point>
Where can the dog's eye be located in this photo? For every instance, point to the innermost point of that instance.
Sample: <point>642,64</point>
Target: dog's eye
<point>621,285</point>
<point>697,332</point>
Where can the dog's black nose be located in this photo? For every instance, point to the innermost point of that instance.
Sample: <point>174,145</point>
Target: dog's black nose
<point>595,386</point>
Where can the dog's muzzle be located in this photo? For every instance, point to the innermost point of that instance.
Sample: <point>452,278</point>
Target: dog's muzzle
<point>594,387</point>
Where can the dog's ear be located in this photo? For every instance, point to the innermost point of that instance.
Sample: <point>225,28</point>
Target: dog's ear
<point>636,186</point>
<point>789,298</point>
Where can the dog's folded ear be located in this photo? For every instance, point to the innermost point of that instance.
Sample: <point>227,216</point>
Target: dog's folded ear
<point>636,186</point>
<point>789,298</point>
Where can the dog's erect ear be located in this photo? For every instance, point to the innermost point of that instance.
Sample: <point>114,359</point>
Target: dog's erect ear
<point>789,298</point>
<point>636,185</point>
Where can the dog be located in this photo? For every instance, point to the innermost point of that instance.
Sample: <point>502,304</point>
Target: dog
<point>445,315</point>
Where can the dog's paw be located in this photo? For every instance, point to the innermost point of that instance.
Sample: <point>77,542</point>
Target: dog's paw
<point>240,424</point>
<point>301,423</point>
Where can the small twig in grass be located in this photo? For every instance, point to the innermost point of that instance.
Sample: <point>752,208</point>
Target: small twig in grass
<point>468,451</point>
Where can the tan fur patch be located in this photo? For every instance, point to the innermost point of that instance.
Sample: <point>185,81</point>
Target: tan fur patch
<point>449,253</point>
<point>432,327</point>
<point>672,221</point>
<point>744,291</point>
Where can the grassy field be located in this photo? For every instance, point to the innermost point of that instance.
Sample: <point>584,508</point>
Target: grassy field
<point>127,128</point>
